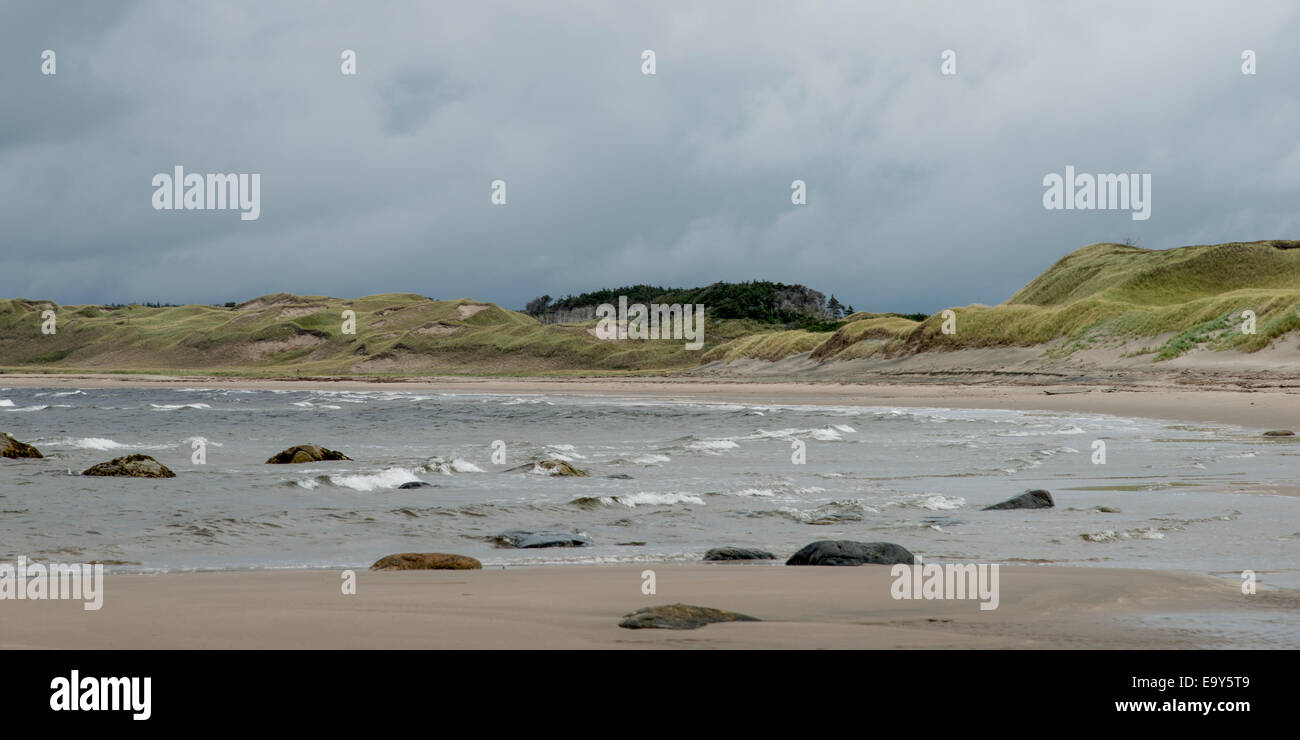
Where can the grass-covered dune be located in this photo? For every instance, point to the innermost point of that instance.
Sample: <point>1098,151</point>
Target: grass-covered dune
<point>283,334</point>
<point>1156,304</point>
<point>1169,302</point>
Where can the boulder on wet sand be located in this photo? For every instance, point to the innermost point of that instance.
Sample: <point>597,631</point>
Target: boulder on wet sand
<point>12,448</point>
<point>849,552</point>
<point>738,553</point>
<point>1036,499</point>
<point>1280,433</point>
<point>131,466</point>
<point>306,454</point>
<point>679,617</point>
<point>542,538</point>
<point>548,467</point>
<point>426,561</point>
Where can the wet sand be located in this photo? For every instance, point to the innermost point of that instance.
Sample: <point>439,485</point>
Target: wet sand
<point>579,607</point>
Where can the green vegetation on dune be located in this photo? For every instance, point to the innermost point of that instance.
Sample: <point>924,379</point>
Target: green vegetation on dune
<point>283,334</point>
<point>1108,294</point>
<point>1100,296</point>
<point>1166,302</point>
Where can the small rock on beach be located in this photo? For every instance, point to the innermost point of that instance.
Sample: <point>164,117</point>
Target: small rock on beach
<point>850,552</point>
<point>426,561</point>
<point>679,617</point>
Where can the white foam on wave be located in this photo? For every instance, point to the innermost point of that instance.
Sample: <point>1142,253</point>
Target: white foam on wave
<point>310,405</point>
<point>650,458</point>
<point>178,406</point>
<point>31,408</point>
<point>526,402</point>
<point>832,433</point>
<point>713,446</point>
<point>760,492</point>
<point>455,465</point>
<point>633,500</point>
<point>1110,535</point>
<point>102,444</point>
<point>390,478</point>
<point>934,502</point>
<point>6,402</point>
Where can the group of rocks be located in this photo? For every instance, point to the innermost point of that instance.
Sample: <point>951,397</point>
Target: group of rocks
<point>688,616</point>
<point>144,466</point>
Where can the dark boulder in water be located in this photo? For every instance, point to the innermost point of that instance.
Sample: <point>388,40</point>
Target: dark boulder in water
<point>1036,499</point>
<point>306,454</point>
<point>12,448</point>
<point>131,466</point>
<point>850,552</point>
<point>426,561</point>
<point>679,617</point>
<point>416,484</point>
<point>738,553</point>
<point>619,476</point>
<point>1280,433</point>
<point>542,538</point>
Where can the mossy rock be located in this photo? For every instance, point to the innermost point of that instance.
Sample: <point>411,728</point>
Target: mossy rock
<point>305,454</point>
<point>12,448</point>
<point>426,561</point>
<point>679,617</point>
<point>131,466</point>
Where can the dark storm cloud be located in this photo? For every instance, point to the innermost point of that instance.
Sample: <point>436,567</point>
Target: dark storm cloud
<point>923,191</point>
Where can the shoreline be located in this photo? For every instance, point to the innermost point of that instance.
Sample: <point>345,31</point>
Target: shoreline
<point>1248,407</point>
<point>1252,407</point>
<point>579,607</point>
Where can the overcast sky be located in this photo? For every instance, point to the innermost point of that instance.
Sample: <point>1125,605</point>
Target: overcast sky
<point>924,190</point>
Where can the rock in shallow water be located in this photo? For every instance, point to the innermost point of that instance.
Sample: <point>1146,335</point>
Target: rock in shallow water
<point>1280,433</point>
<point>1036,499</point>
<point>738,553</point>
<point>426,561</point>
<point>415,484</point>
<point>131,466</point>
<point>849,552</point>
<point>305,454</point>
<point>12,448</point>
<point>679,617</point>
<point>549,467</point>
<point>543,538</point>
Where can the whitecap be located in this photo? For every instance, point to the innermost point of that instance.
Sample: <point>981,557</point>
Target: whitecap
<point>633,500</point>
<point>390,478</point>
<point>713,446</point>
<point>650,458</point>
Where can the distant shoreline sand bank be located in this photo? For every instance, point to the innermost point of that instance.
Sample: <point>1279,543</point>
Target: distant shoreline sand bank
<point>1265,406</point>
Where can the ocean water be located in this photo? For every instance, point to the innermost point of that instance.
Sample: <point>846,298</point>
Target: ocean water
<point>1197,498</point>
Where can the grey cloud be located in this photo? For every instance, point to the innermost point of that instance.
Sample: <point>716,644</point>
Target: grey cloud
<point>924,190</point>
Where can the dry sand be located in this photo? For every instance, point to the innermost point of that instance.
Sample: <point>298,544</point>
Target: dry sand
<point>579,607</point>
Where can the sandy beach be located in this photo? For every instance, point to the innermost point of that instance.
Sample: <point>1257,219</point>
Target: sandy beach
<point>579,607</point>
